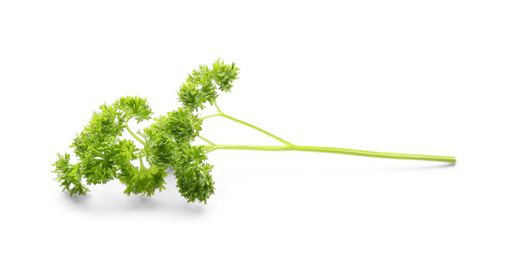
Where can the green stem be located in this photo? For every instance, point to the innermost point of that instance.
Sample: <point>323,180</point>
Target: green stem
<point>141,166</point>
<point>206,140</point>
<point>203,118</point>
<point>132,133</point>
<point>219,113</point>
<point>257,128</point>
<point>291,147</point>
<point>449,159</point>
<point>218,109</point>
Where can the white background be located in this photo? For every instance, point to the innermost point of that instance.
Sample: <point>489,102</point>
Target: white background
<point>422,77</point>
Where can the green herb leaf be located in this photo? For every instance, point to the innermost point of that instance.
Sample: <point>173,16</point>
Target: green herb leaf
<point>134,107</point>
<point>142,180</point>
<point>193,174</point>
<point>201,85</point>
<point>69,176</point>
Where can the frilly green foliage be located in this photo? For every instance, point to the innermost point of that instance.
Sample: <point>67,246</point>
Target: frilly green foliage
<point>103,155</point>
<point>181,124</point>
<point>97,145</point>
<point>193,174</point>
<point>141,180</point>
<point>224,74</point>
<point>69,175</point>
<point>201,85</point>
<point>167,133</point>
<point>134,108</point>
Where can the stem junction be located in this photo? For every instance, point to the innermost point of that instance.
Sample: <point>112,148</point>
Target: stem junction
<point>290,147</point>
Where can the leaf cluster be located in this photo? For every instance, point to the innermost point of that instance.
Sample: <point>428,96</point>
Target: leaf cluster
<point>136,108</point>
<point>68,175</point>
<point>193,173</point>
<point>104,155</point>
<point>168,145</point>
<point>202,84</point>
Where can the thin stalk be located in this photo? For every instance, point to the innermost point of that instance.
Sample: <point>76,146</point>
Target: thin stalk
<point>141,166</point>
<point>132,133</point>
<point>220,113</point>
<point>135,136</point>
<point>218,109</point>
<point>205,117</point>
<point>258,129</point>
<point>403,156</point>
<point>206,140</point>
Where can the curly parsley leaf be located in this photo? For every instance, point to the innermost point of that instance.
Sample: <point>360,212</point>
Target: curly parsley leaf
<point>141,180</point>
<point>193,174</point>
<point>97,145</point>
<point>69,176</point>
<point>224,75</point>
<point>134,107</point>
<point>201,85</point>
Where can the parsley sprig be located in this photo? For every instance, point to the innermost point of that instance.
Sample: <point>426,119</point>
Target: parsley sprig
<point>103,155</point>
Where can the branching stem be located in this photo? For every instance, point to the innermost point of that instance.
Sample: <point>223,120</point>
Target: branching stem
<point>290,147</point>
<point>220,113</point>
<point>218,109</point>
<point>206,140</point>
<point>258,129</point>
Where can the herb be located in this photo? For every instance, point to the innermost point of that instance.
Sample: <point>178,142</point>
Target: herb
<point>104,155</point>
